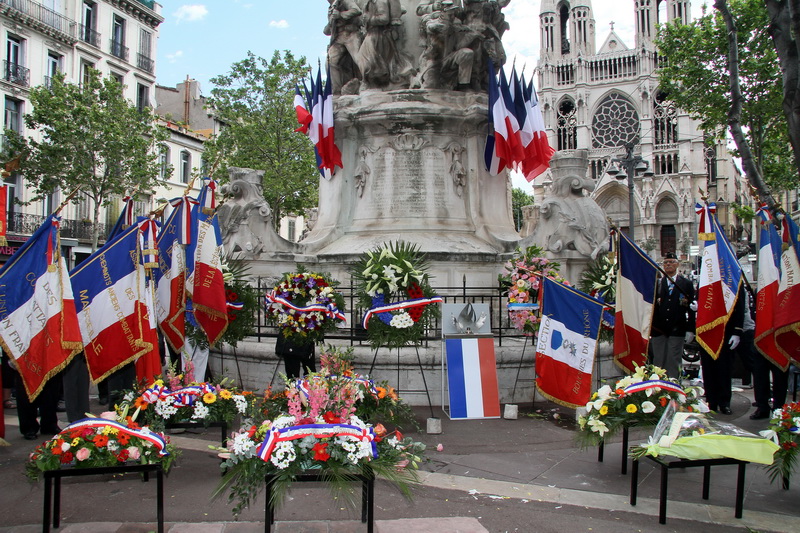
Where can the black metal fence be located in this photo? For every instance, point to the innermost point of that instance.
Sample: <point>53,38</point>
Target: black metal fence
<point>356,334</point>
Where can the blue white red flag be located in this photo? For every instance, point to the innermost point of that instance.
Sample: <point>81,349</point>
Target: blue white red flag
<point>538,152</point>
<point>38,322</point>
<point>637,279</point>
<point>204,283</point>
<point>521,108</point>
<point>112,311</point>
<point>567,343</point>
<point>126,218</point>
<point>787,319</point>
<point>472,378</point>
<point>508,145</point>
<point>148,365</point>
<point>170,298</point>
<point>332,153</point>
<point>720,277</point>
<point>769,253</point>
<point>494,163</point>
<point>301,109</point>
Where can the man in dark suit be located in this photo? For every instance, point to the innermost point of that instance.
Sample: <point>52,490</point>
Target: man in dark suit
<point>717,373</point>
<point>673,318</point>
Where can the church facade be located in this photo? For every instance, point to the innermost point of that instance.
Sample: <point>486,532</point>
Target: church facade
<point>607,101</point>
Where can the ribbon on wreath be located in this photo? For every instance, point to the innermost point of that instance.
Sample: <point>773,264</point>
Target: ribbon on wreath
<point>275,436</point>
<point>301,384</point>
<point>184,397</point>
<point>653,384</point>
<point>328,310</point>
<point>383,312</point>
<point>98,423</point>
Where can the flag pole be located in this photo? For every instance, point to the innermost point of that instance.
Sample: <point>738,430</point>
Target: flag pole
<point>67,200</point>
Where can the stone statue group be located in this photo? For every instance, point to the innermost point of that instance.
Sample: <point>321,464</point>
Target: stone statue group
<point>371,44</point>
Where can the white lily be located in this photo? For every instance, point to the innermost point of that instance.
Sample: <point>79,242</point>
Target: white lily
<point>648,407</point>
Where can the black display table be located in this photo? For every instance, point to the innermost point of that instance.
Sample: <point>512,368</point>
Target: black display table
<point>367,497</point>
<point>52,488</point>
<point>601,450</point>
<point>667,463</point>
<point>202,425</point>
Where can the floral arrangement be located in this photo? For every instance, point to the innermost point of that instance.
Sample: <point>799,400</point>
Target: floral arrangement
<point>178,398</point>
<point>100,442</point>
<point>784,430</point>
<point>635,400</point>
<point>392,284</point>
<point>305,305</point>
<point>321,430</point>
<point>522,277</point>
<point>242,306</point>
<point>600,280</point>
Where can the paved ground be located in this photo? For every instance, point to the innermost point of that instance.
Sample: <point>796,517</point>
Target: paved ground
<point>492,475</point>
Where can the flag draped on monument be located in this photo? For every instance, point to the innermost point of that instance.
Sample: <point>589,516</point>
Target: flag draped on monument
<point>637,278</point>
<point>567,343</point>
<point>38,321</point>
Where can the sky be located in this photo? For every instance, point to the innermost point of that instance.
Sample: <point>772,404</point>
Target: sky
<point>203,39</point>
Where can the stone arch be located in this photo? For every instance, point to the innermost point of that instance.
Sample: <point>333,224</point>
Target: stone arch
<point>667,217</point>
<point>615,121</point>
<point>613,199</point>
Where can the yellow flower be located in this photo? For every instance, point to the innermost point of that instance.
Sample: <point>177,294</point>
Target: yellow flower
<point>603,410</point>
<point>209,397</point>
<point>631,408</point>
<point>225,394</point>
<point>76,441</point>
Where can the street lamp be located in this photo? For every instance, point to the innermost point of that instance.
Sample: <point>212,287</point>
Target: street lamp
<point>633,164</point>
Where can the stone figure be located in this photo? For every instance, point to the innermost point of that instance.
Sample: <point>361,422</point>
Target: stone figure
<point>362,171</point>
<point>344,29</point>
<point>381,59</point>
<point>570,220</point>
<point>457,170</point>
<point>485,18</point>
<point>245,217</point>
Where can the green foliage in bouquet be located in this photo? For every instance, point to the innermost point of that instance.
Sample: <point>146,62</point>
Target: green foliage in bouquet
<point>101,442</point>
<point>600,280</point>
<point>395,276</point>
<point>635,400</point>
<point>305,305</point>
<point>784,428</point>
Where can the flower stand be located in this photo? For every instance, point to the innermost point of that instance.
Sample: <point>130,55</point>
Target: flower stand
<point>52,488</point>
<point>426,390</point>
<point>601,450</point>
<point>367,496</point>
<point>201,425</point>
<point>668,463</point>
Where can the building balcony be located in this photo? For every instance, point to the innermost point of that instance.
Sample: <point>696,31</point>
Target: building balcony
<point>89,36</point>
<point>16,74</point>
<point>42,16</point>
<point>145,63</point>
<point>119,50</point>
<point>25,224</point>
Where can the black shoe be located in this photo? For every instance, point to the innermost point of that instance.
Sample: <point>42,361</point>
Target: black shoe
<point>31,435</point>
<point>759,414</point>
<point>713,408</point>
<point>61,407</point>
<point>754,404</point>
<point>725,410</point>
<point>51,431</point>
<point>103,400</point>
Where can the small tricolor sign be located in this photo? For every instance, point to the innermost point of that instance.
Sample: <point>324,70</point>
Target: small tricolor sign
<point>472,378</point>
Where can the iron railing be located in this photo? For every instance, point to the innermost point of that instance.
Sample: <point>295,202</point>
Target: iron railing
<point>145,63</point>
<point>355,334</point>
<point>42,14</point>
<point>118,49</point>
<point>27,224</point>
<point>88,35</point>
<point>16,74</point>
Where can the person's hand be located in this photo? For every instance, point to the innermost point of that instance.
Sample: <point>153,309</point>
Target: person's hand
<point>734,342</point>
<point>689,337</point>
<point>693,306</point>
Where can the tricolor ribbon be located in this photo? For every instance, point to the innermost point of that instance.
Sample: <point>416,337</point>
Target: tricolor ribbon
<point>706,228</point>
<point>209,199</point>
<point>147,231</point>
<point>329,310</point>
<point>653,384</point>
<point>98,423</point>
<point>405,304</point>
<point>185,222</point>
<point>275,436</point>
<point>128,209</point>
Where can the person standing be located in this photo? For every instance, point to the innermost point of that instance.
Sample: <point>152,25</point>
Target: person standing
<point>717,373</point>
<point>296,354</point>
<point>673,318</point>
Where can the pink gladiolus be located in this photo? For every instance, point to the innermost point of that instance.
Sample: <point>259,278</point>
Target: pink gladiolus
<point>83,454</point>
<point>108,415</point>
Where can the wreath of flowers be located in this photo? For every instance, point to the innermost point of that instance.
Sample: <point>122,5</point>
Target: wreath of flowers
<point>635,400</point>
<point>100,442</point>
<point>392,284</point>
<point>305,305</point>
<point>522,278</point>
<point>784,429</point>
<point>320,428</point>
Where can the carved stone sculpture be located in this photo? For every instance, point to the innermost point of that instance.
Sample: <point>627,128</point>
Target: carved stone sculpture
<point>344,28</point>
<point>381,58</point>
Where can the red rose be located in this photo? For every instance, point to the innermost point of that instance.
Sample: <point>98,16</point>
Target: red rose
<point>67,457</point>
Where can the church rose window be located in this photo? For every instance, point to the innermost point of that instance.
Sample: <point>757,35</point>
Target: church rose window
<point>615,122</point>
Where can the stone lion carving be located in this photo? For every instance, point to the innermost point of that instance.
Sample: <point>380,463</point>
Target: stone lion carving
<point>570,220</point>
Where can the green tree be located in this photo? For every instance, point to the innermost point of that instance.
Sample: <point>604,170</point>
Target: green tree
<point>519,198</point>
<point>255,102</point>
<point>697,77</point>
<point>92,140</point>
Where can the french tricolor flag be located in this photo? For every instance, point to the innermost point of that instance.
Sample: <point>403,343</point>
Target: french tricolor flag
<point>472,378</point>
<point>787,323</point>
<point>112,313</point>
<point>170,298</point>
<point>636,290</point>
<point>567,344</point>
<point>767,296</point>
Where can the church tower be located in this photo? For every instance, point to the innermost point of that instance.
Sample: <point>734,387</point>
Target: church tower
<point>607,99</point>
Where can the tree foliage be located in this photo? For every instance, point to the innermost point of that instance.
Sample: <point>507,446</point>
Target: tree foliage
<point>696,77</point>
<point>255,102</point>
<point>92,139</point>
<point>519,198</point>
